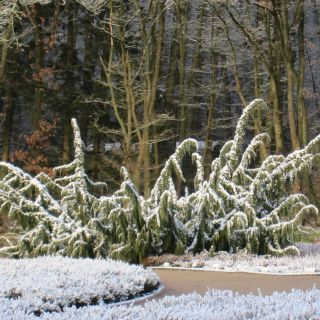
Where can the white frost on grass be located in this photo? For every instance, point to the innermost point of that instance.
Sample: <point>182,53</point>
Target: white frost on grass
<point>307,263</point>
<point>54,283</point>
<point>214,305</point>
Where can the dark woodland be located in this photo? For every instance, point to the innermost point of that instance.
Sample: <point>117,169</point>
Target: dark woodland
<point>141,76</point>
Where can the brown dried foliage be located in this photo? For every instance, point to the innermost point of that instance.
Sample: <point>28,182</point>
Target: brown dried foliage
<point>33,160</point>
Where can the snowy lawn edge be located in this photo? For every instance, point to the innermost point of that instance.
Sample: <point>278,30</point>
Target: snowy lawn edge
<point>308,263</point>
<point>231,271</point>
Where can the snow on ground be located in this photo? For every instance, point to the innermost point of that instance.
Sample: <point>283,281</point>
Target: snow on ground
<point>54,283</point>
<point>214,305</point>
<point>79,289</point>
<point>307,263</point>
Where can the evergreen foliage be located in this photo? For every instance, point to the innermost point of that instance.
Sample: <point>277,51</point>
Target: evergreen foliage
<point>240,206</point>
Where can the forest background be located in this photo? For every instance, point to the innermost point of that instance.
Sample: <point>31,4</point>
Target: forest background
<point>141,76</point>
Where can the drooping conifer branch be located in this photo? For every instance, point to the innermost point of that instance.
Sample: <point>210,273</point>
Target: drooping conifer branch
<point>241,205</point>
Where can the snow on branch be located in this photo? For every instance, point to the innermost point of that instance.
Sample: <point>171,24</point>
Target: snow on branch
<point>242,205</point>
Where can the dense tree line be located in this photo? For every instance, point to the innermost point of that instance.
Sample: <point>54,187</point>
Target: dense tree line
<point>141,76</point>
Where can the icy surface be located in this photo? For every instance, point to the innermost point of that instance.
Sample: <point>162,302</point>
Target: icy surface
<point>53,283</point>
<point>214,305</point>
<point>307,263</point>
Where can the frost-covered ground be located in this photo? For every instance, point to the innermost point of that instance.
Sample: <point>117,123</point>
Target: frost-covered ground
<point>307,263</point>
<point>214,305</point>
<point>56,288</point>
<point>54,283</point>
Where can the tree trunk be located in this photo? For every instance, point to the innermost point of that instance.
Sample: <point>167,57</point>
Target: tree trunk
<point>283,35</point>
<point>276,116</point>
<point>302,114</point>
<point>88,71</point>
<point>213,96</point>
<point>38,52</point>
<point>67,145</point>
<point>182,23</point>
<point>182,29</point>
<point>146,153</point>
<point>292,122</point>
<point>4,51</point>
<point>170,81</point>
<point>158,40</point>
<point>7,127</point>
<point>191,112</point>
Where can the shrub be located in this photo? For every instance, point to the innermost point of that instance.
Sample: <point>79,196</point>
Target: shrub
<point>240,206</point>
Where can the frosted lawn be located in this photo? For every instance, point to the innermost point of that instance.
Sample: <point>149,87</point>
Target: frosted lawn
<point>214,305</point>
<point>53,283</point>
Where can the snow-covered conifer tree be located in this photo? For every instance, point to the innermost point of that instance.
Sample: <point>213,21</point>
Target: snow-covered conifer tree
<point>239,206</point>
